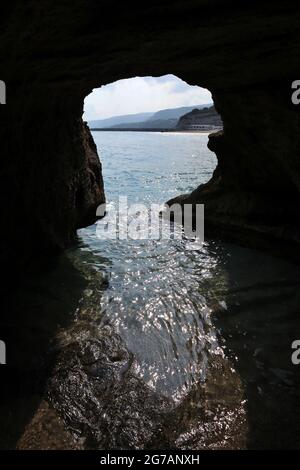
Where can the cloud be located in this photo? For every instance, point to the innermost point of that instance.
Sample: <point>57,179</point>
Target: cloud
<point>141,94</point>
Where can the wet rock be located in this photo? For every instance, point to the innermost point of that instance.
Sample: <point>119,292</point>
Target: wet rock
<point>211,416</point>
<point>95,388</point>
<point>46,431</point>
<point>96,391</point>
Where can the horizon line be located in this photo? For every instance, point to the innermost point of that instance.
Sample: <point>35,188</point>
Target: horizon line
<point>148,112</point>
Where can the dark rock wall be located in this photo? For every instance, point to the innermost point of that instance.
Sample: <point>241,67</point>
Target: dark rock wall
<point>253,196</point>
<point>51,176</point>
<point>54,53</point>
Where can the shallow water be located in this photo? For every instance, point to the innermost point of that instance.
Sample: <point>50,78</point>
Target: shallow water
<point>153,296</point>
<point>210,329</point>
<point>176,308</point>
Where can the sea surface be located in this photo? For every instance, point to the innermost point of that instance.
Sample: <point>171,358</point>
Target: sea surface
<point>210,329</point>
<point>153,296</point>
<point>176,308</point>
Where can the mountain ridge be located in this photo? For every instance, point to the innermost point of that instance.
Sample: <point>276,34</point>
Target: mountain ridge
<point>136,119</point>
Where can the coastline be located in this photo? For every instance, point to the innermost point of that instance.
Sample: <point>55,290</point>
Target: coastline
<point>176,131</point>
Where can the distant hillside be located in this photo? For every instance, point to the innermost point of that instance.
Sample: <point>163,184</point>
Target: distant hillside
<point>200,117</point>
<point>165,118</point>
<point>126,118</point>
<point>149,124</point>
<point>174,113</point>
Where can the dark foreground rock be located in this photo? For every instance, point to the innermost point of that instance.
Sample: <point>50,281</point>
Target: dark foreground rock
<point>95,394</point>
<point>46,431</point>
<point>96,390</point>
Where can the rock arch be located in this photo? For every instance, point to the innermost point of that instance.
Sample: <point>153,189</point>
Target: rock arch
<point>54,54</point>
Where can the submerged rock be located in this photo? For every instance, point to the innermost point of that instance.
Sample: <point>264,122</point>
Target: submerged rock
<point>95,388</point>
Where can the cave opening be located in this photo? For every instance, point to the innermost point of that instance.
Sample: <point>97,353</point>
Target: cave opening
<point>168,304</point>
<point>151,134</point>
<point>160,124</point>
<point>171,305</point>
<point>99,342</point>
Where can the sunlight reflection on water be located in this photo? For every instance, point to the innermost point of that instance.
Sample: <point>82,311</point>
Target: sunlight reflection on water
<point>165,300</point>
<point>152,298</point>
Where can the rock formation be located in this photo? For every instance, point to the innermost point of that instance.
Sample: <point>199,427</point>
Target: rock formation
<point>200,117</point>
<point>54,54</point>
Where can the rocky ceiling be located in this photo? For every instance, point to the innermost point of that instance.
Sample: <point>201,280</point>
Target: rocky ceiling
<point>54,53</point>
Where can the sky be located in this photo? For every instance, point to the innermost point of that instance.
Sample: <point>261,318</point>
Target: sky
<point>142,94</point>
